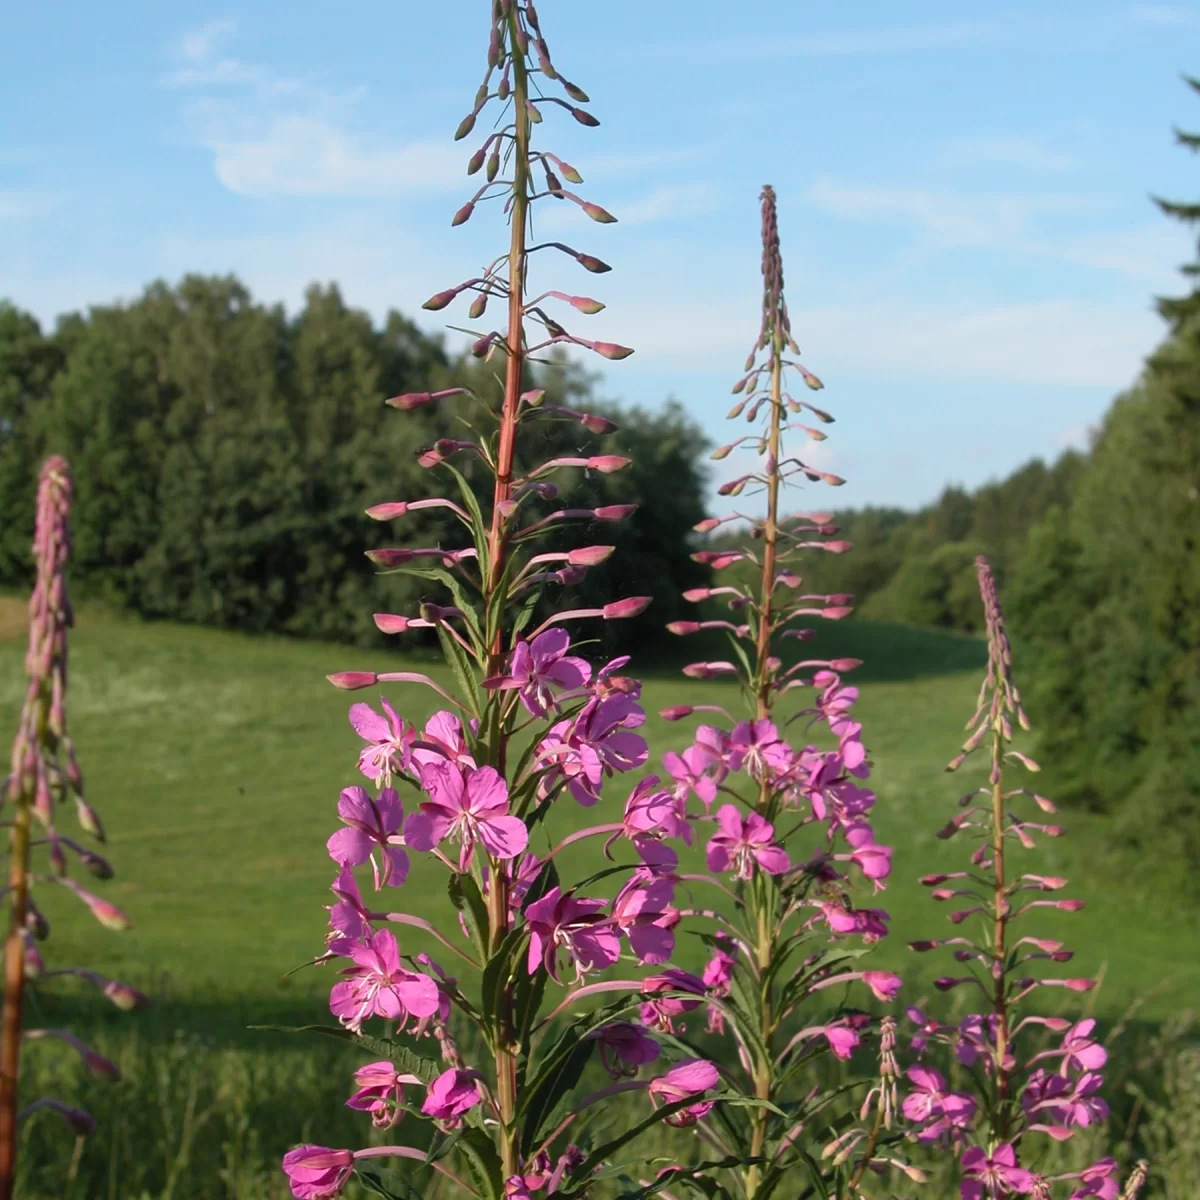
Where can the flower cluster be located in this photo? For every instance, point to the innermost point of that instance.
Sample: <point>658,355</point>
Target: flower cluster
<point>998,1130</point>
<point>796,924</point>
<point>44,773</point>
<point>526,725</point>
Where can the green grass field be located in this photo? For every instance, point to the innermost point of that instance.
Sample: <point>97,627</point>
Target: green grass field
<point>215,761</point>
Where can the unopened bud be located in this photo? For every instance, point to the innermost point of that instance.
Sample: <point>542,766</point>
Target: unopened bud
<point>606,464</point>
<point>439,300</point>
<point>676,712</point>
<point>598,214</point>
<point>464,214</point>
<point>611,350</point>
<point>351,681</point>
<point>585,304</point>
<point>589,556</point>
<point>620,610</point>
<point>584,118</point>
<point>391,623</point>
<point>477,307</point>
<point>590,262</point>
<point>465,127</point>
<point>614,512</point>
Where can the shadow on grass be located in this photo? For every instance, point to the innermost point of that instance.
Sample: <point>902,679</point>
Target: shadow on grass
<point>889,653</point>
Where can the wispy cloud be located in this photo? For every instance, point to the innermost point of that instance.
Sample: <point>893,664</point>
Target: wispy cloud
<point>848,43</point>
<point>946,218</point>
<point>1164,14</point>
<point>287,136</point>
<point>308,156</point>
<point>1022,152</point>
<point>18,204</point>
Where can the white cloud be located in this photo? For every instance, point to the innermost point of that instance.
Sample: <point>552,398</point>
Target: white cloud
<point>18,204</point>
<point>1163,14</point>
<point>199,45</point>
<point>848,43</point>
<point>308,156</point>
<point>1014,150</point>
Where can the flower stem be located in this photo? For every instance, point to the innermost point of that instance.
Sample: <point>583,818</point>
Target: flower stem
<point>14,991</point>
<point>999,931</point>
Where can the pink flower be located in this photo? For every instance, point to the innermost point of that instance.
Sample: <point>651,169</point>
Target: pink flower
<point>652,812</point>
<point>380,1092</point>
<point>472,807</point>
<point>1099,1181</point>
<point>689,771</point>
<point>624,1045</point>
<point>883,984</point>
<point>315,1171</point>
<point>999,1172</point>
<point>843,1040</point>
<point>377,985</point>
<point>642,912</point>
<point>756,746</point>
<point>742,842</point>
<point>450,1095</point>
<point>690,1077</point>
<point>537,664</point>
<point>595,743</point>
<point>388,740</point>
<point>576,927</point>
<point>443,739</point>
<point>931,1105</point>
<point>873,860</point>
<point>659,1010</point>
<point>371,823</point>
<point>718,972</point>
<point>348,917</point>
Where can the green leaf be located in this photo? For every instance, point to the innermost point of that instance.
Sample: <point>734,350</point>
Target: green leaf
<point>463,670</point>
<point>544,1098</point>
<point>472,504</point>
<point>483,1163</point>
<point>375,1185</point>
<point>496,974</point>
<point>694,1175</point>
<point>468,900</point>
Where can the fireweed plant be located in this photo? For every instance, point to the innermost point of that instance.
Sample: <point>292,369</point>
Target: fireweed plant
<point>44,773</point>
<point>526,725</point>
<point>791,834</point>
<point>1018,1097</point>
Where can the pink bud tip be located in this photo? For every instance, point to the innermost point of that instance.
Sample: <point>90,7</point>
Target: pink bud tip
<point>463,215</point>
<point>921,947</point>
<point>611,350</point>
<point>465,127</point>
<point>614,512</point>
<point>590,262</point>
<point>125,997</point>
<point>89,819</point>
<point>836,613</point>
<point>633,606</point>
<point>838,547</point>
<point>439,300</point>
<point>684,627</point>
<point>410,400</point>
<point>391,623</point>
<point>387,512</point>
<point>677,712</point>
<point>1069,905</point>
<point>108,914</point>
<point>533,397</point>
<point>846,664</point>
<point>597,213</point>
<point>589,556</point>
<point>585,304</point>
<point>352,681</point>
<point>390,557</point>
<point>707,525</point>
<point>946,983</point>
<point>584,118</point>
<point>606,464</point>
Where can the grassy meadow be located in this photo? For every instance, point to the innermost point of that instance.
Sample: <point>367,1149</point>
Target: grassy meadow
<point>215,760</point>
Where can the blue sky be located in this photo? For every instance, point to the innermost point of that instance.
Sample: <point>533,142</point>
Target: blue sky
<point>970,249</point>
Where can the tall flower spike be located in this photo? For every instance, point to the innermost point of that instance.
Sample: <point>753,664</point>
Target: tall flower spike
<point>800,809</point>
<point>1022,1094</point>
<point>529,724</point>
<point>45,772</point>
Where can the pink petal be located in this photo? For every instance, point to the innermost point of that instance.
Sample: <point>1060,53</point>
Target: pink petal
<point>355,805</point>
<point>504,837</point>
<point>349,847</point>
<point>772,859</point>
<point>368,724</point>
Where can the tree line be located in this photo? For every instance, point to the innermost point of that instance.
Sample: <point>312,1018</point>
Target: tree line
<point>224,455</point>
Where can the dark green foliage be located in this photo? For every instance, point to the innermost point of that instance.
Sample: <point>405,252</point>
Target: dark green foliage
<point>224,455</point>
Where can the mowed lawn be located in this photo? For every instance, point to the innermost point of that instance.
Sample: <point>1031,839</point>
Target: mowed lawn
<point>215,760</point>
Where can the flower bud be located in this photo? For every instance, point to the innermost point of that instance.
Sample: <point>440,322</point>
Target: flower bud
<point>464,214</point>
<point>391,623</point>
<point>598,214</point>
<point>585,304</point>
<point>390,556</point>
<point>465,126</point>
<point>590,262</point>
<point>676,712</point>
<point>589,556</point>
<point>632,606</point>
<point>477,307</point>
<point>683,627</point>
<point>439,300</point>
<point>606,464</point>
<point>388,512</point>
<point>569,173</point>
<point>584,118</point>
<point>611,350</point>
<point>493,164</point>
<point>352,681</point>
<point>614,512</point>
<point>124,996</point>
